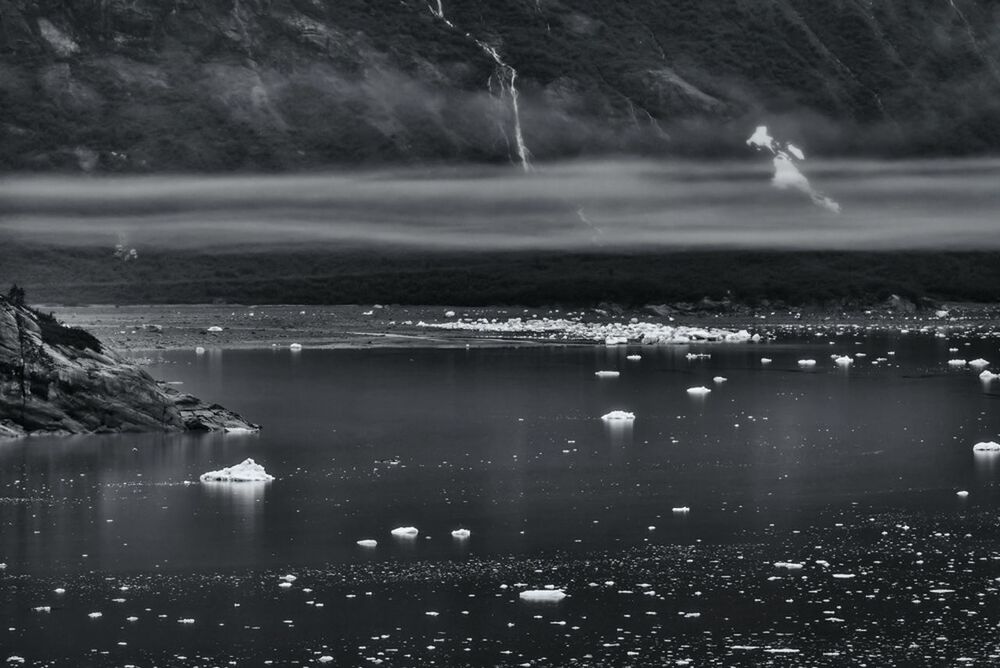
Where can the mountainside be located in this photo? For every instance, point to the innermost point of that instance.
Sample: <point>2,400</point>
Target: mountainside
<point>60,380</point>
<point>149,85</point>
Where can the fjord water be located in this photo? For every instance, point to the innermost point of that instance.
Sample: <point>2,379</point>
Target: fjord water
<point>778,462</point>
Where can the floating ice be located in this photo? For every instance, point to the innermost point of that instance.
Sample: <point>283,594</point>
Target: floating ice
<point>405,532</point>
<point>986,446</point>
<point>618,415</point>
<point>681,510</point>
<point>542,595</point>
<point>295,346</point>
<point>957,362</point>
<point>633,358</point>
<point>607,374</point>
<point>246,471</point>
<point>461,533</point>
<point>844,576</point>
<point>979,363</point>
<point>843,360</point>
<point>367,542</point>
<point>199,350</point>
<point>449,314</point>
<point>214,329</point>
<point>326,658</point>
<point>788,564</point>
<point>962,493</point>
<point>807,362</point>
<point>766,360</point>
<point>95,615</point>
<point>988,375</point>
<point>719,379</point>
<point>698,391</point>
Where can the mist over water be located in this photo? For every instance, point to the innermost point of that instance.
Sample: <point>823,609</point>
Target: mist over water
<point>951,204</point>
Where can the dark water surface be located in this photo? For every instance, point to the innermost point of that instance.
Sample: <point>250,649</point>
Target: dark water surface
<point>857,468</point>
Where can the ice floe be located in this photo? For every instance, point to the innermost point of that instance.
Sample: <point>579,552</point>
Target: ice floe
<point>542,595</point>
<point>699,391</point>
<point>807,362</point>
<point>618,415</point>
<point>986,446</point>
<point>607,374</point>
<point>461,533</point>
<point>368,542</point>
<point>246,471</point>
<point>405,532</point>
<point>979,363</point>
<point>957,362</point>
<point>719,380</point>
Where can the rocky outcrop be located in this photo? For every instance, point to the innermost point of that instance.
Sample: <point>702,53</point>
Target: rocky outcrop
<point>60,380</point>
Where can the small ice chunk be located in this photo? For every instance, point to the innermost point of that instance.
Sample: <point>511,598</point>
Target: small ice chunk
<point>843,576</point>
<point>986,446</point>
<point>807,362</point>
<point>461,533</point>
<point>979,363</point>
<point>843,360</point>
<point>246,471</point>
<point>633,358</point>
<point>295,346</point>
<point>719,379</point>
<point>766,360</point>
<point>214,329</point>
<point>95,615</point>
<point>618,415</point>
<point>957,362</point>
<point>368,542</point>
<point>698,391</point>
<point>288,578</point>
<point>326,658</point>
<point>792,566</point>
<point>405,532</point>
<point>680,510</point>
<point>542,595</point>
<point>607,374</point>
<point>449,314</point>
<point>962,493</point>
<point>199,350</point>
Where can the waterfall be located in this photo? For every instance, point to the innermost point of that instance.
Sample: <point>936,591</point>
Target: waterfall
<point>505,77</point>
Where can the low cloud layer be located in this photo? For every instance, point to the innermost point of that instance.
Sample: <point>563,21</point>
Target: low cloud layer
<point>645,205</point>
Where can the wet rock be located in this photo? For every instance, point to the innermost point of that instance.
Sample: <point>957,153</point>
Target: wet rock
<point>59,380</point>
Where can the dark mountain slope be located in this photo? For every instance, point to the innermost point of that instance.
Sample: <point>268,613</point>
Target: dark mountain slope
<point>148,85</point>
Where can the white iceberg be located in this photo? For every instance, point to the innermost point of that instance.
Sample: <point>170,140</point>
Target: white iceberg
<point>807,362</point>
<point>246,471</point>
<point>986,446</point>
<point>618,415</point>
<point>843,360</point>
<point>367,542</point>
<point>405,532</point>
<point>719,379</point>
<point>461,533</point>
<point>962,493</point>
<point>607,374</point>
<point>542,595</point>
<point>979,363</point>
<point>988,375</point>
<point>698,391</point>
<point>957,362</point>
<point>295,346</point>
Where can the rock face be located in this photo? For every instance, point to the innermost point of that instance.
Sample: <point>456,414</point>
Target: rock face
<point>58,380</point>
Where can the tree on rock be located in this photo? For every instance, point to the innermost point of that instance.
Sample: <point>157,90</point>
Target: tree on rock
<point>16,295</point>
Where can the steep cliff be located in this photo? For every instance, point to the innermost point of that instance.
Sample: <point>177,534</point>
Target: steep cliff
<point>59,380</point>
<point>149,85</point>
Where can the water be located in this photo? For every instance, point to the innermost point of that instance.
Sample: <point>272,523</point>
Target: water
<point>857,467</point>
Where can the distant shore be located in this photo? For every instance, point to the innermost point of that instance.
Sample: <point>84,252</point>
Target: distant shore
<point>173,327</point>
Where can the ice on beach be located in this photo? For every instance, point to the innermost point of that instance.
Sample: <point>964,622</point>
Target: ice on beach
<point>607,374</point>
<point>698,391</point>
<point>246,471</point>
<point>542,595</point>
<point>807,362</point>
<point>449,314</point>
<point>986,446</point>
<point>405,532</point>
<point>618,415</point>
<point>367,542</point>
<point>461,533</point>
<point>612,333</point>
<point>199,350</point>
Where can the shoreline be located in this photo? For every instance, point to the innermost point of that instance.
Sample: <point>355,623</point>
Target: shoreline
<point>186,326</point>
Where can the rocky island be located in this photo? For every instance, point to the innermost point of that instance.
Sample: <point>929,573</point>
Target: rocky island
<point>56,379</point>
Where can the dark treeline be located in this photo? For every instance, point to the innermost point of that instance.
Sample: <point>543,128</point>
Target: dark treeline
<point>346,277</point>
